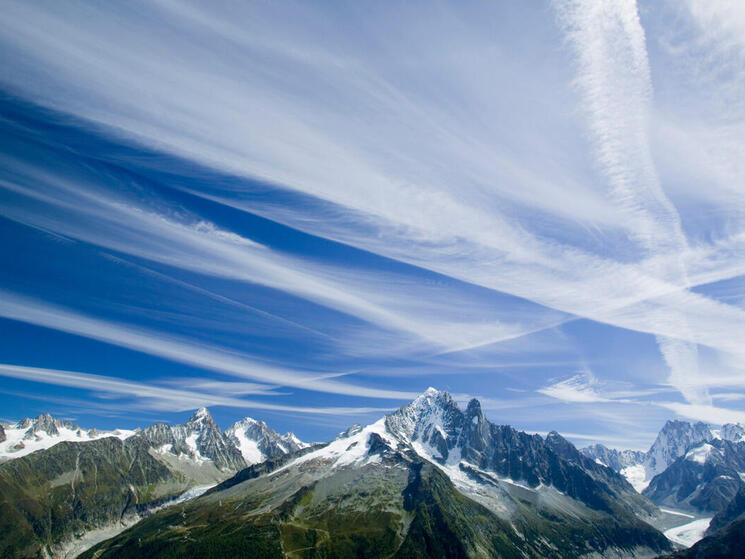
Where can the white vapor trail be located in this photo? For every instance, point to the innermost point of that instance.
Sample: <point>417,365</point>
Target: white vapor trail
<point>614,79</point>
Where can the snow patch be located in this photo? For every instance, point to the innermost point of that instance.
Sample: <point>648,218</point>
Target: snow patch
<point>700,454</point>
<point>636,475</point>
<point>688,534</point>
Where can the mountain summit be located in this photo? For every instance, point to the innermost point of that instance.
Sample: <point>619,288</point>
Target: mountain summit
<point>257,442</point>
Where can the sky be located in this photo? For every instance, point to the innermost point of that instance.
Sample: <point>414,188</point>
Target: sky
<point>310,212</point>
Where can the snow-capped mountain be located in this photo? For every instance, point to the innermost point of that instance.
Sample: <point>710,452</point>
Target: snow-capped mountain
<point>428,476</point>
<point>45,431</point>
<point>246,442</point>
<point>615,459</point>
<point>199,439</point>
<point>109,481</point>
<point>257,442</point>
<point>704,479</point>
<point>674,440</point>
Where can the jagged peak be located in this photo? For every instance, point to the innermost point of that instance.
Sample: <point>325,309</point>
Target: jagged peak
<point>350,431</point>
<point>202,417</point>
<point>430,397</point>
<point>474,408</point>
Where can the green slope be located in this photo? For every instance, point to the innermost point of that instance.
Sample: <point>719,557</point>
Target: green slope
<point>393,506</point>
<point>51,495</point>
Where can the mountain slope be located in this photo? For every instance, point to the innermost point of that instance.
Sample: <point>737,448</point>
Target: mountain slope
<point>735,510</point>
<point>48,496</point>
<point>426,481</point>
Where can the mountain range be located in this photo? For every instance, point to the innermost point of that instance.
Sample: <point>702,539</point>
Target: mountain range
<point>58,481</point>
<point>690,466</point>
<point>429,480</point>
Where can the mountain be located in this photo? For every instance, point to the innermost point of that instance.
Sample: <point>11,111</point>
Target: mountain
<point>616,460</point>
<point>430,480</point>
<point>673,441</point>
<point>198,440</point>
<point>30,435</point>
<point>257,442</point>
<point>53,490</point>
<point>735,510</point>
<point>704,480</point>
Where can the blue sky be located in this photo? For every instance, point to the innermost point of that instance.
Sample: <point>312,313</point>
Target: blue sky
<point>309,213</point>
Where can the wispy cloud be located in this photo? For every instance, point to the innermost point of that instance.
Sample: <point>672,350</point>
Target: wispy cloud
<point>180,350</point>
<point>580,388</point>
<point>159,397</point>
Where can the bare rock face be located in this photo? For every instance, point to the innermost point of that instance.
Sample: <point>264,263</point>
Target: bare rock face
<point>2,434</point>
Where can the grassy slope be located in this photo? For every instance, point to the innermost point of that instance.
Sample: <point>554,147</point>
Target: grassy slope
<point>47,496</point>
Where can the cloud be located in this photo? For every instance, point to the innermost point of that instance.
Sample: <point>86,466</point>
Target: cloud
<point>172,347</point>
<point>162,398</point>
<point>709,414</point>
<point>580,388</point>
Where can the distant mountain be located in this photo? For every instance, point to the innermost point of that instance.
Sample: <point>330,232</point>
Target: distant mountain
<point>64,481</point>
<point>199,440</point>
<point>32,434</point>
<point>430,480</point>
<point>257,442</point>
<point>673,441</point>
<point>616,460</point>
<point>705,479</point>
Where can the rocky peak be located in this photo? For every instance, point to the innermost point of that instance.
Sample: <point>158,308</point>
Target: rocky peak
<point>257,441</point>
<point>673,441</point>
<point>199,438</point>
<point>703,479</point>
<point>2,434</point>
<point>46,424</point>
<point>433,413</point>
<point>353,430</point>
<point>201,420</point>
<point>734,432</point>
<point>474,409</point>
<point>615,459</point>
